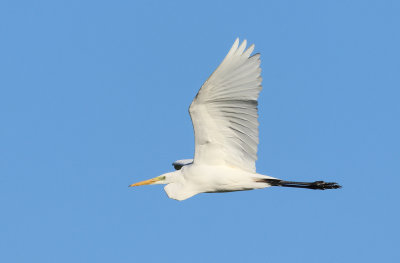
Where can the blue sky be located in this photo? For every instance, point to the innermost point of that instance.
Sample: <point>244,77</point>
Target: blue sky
<point>94,96</point>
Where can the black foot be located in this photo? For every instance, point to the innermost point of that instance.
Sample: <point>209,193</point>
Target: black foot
<point>317,185</point>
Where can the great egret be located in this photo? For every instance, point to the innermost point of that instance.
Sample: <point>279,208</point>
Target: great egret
<point>224,116</point>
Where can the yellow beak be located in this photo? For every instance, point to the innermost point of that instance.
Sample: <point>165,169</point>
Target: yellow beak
<point>150,181</point>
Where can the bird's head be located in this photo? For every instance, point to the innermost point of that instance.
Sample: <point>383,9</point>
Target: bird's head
<point>162,179</point>
<point>175,186</point>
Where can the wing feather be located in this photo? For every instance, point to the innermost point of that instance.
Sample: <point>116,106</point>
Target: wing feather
<point>224,111</point>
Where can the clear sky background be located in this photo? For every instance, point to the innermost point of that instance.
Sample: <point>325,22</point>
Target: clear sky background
<point>94,96</point>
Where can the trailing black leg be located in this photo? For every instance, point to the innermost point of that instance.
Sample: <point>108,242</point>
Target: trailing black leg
<point>317,185</point>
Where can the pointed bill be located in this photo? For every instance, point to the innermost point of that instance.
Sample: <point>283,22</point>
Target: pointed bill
<point>150,181</point>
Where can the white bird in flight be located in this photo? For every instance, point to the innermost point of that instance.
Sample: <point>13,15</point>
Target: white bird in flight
<point>224,116</point>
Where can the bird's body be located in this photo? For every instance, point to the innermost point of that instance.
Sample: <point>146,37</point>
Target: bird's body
<point>225,121</point>
<point>193,179</point>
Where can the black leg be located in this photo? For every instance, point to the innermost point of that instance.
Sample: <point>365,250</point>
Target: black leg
<point>317,185</point>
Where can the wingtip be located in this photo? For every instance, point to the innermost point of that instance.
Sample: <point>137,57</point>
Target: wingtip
<point>233,49</point>
<point>242,47</point>
<point>249,50</point>
<point>235,44</point>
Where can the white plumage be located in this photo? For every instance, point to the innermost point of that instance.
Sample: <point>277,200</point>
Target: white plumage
<point>224,112</point>
<point>225,120</point>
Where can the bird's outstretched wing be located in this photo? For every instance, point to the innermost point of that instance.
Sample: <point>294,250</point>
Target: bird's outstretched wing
<point>224,112</point>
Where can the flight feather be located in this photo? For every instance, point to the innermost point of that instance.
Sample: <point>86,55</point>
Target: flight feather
<point>224,112</point>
